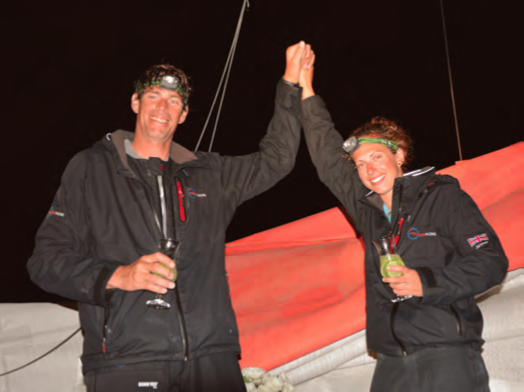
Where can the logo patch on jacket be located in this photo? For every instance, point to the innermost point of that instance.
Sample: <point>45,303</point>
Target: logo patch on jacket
<point>478,240</point>
<point>193,195</point>
<point>148,384</point>
<point>415,234</point>
<point>53,212</point>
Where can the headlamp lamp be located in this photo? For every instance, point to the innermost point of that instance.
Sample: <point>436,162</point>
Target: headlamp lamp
<point>351,144</point>
<point>168,82</point>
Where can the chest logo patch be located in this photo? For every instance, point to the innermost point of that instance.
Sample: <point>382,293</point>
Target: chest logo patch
<point>193,195</point>
<point>415,234</point>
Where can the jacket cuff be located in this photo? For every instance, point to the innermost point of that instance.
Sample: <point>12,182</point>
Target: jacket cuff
<point>313,105</point>
<point>289,96</point>
<point>291,84</point>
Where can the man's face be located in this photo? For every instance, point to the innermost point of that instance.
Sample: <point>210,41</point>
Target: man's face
<point>378,167</point>
<point>159,111</point>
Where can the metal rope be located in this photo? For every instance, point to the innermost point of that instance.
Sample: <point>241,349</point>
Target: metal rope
<point>227,70</point>
<point>43,355</point>
<point>450,79</point>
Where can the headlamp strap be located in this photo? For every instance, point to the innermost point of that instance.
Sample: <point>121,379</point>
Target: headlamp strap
<point>351,144</point>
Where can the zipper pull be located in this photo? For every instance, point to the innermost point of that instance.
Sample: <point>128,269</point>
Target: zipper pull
<point>104,348</point>
<point>181,209</point>
<point>399,232</point>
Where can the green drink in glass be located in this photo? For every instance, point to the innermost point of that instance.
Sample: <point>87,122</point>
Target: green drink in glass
<point>173,270</point>
<point>386,261</point>
<point>169,247</point>
<point>384,248</point>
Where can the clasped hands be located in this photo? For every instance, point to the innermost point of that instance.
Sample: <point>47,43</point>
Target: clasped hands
<point>299,67</point>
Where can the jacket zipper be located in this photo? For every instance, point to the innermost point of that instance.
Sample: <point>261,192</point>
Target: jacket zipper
<point>182,323</point>
<point>181,318</point>
<point>392,327</point>
<point>396,239</point>
<point>104,332</point>
<point>396,233</point>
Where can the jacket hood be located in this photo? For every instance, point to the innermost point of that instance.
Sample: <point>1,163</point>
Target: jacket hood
<point>116,141</point>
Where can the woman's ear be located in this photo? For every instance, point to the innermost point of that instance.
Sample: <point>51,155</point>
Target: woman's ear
<point>400,157</point>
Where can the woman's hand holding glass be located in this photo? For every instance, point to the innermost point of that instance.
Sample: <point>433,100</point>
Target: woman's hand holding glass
<point>407,284</point>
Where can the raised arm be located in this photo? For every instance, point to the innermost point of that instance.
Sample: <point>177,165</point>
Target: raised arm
<point>325,144</point>
<point>243,177</point>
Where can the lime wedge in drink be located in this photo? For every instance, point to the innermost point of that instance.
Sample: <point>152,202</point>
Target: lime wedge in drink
<point>173,270</point>
<point>386,261</point>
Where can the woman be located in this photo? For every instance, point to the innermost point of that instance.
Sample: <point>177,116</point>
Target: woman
<point>431,341</point>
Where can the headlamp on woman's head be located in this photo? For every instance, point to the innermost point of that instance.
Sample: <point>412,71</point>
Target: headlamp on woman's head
<point>351,144</point>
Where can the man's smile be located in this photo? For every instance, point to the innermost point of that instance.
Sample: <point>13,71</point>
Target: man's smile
<point>162,120</point>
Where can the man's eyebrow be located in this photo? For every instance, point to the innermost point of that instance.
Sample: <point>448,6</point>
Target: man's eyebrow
<point>175,96</point>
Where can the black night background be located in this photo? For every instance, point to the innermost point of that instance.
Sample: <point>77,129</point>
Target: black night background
<point>75,67</point>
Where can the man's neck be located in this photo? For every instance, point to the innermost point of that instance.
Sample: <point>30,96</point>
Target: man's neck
<point>147,149</point>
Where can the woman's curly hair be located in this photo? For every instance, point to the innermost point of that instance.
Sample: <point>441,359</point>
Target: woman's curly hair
<point>387,129</point>
<point>154,74</point>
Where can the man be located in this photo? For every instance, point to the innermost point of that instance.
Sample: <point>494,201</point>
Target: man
<point>429,339</point>
<point>100,244</point>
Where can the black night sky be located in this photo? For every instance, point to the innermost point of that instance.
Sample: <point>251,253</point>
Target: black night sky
<point>75,67</point>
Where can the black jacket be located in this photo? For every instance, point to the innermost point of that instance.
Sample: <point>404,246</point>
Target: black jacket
<point>439,219</point>
<point>102,218</point>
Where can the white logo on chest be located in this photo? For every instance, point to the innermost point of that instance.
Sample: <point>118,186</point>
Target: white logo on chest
<point>147,384</point>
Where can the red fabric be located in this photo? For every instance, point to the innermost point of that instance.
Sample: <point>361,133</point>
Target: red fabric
<point>299,287</point>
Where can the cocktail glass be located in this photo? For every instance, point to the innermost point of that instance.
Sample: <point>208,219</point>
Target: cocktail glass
<point>384,246</point>
<point>169,247</point>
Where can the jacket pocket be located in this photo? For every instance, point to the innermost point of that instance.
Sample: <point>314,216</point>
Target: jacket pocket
<point>457,318</point>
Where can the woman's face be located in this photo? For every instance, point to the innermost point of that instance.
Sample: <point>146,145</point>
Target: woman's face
<point>378,167</point>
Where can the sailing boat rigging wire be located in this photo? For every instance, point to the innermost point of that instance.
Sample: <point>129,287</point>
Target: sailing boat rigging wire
<point>450,78</point>
<point>226,72</point>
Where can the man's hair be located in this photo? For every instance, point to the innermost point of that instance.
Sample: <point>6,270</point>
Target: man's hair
<point>154,74</point>
<point>383,128</point>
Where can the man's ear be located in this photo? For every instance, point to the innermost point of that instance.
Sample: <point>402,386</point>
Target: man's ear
<point>135,102</point>
<point>184,114</point>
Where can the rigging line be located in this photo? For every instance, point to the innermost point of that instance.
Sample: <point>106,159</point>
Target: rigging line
<point>42,356</point>
<point>450,78</point>
<point>227,69</point>
<point>237,34</point>
<point>215,99</point>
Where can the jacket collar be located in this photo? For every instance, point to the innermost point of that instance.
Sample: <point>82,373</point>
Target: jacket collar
<point>180,155</point>
<point>412,184</point>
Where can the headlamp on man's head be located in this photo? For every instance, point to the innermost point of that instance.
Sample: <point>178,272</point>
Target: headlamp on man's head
<point>167,82</point>
<point>351,144</point>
